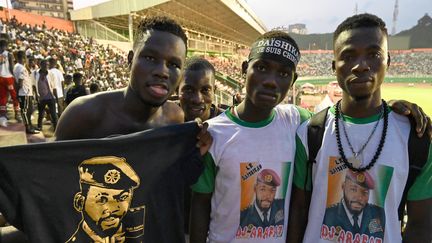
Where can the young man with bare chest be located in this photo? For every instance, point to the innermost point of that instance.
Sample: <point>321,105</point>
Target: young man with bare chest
<point>159,54</point>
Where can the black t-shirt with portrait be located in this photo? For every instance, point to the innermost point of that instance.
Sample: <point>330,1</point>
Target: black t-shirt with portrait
<point>126,188</point>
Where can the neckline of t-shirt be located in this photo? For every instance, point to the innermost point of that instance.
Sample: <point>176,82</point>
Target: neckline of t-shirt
<point>364,120</point>
<point>243,123</point>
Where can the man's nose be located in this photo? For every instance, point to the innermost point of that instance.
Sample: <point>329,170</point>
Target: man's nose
<point>161,70</point>
<point>197,98</point>
<point>270,81</point>
<point>111,207</point>
<point>361,65</point>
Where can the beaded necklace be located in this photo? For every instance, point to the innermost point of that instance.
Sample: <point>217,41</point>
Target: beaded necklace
<point>380,145</point>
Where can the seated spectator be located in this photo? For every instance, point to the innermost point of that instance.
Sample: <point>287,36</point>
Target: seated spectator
<point>94,88</point>
<point>77,90</point>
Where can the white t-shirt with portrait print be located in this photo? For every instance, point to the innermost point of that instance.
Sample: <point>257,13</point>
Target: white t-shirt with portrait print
<point>239,153</point>
<point>331,211</point>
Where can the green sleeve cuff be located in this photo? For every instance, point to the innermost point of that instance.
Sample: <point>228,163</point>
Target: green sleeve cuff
<point>422,187</point>
<point>206,182</point>
<point>301,167</point>
<point>304,114</point>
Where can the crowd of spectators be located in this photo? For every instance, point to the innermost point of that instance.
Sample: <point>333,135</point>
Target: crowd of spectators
<point>229,69</point>
<point>106,67</point>
<point>315,64</point>
<point>101,65</point>
<point>415,63</point>
<point>403,63</point>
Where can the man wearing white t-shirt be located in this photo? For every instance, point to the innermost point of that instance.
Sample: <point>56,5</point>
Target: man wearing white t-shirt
<point>253,149</point>
<point>25,91</point>
<point>363,138</point>
<point>59,81</point>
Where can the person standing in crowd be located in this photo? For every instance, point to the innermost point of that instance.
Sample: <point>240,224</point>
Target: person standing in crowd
<point>94,88</point>
<point>59,81</point>
<point>46,93</point>
<point>25,91</point>
<point>32,64</point>
<point>7,84</point>
<point>196,95</point>
<point>254,136</point>
<point>156,65</point>
<point>68,83</point>
<point>362,135</point>
<point>77,90</point>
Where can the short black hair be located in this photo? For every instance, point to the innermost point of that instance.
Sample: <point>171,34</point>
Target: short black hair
<point>160,23</point>
<point>20,54</point>
<point>52,60</point>
<point>198,63</point>
<point>279,34</point>
<point>94,87</point>
<point>360,21</point>
<point>4,42</point>
<point>77,76</point>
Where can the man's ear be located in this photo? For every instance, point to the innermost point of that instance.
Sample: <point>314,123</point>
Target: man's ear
<point>294,78</point>
<point>79,200</point>
<point>388,59</point>
<point>245,67</point>
<point>333,66</point>
<point>130,57</point>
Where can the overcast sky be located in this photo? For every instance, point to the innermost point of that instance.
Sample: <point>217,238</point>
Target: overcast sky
<point>322,16</point>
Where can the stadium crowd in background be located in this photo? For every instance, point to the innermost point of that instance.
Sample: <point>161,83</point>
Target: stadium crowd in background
<point>74,53</point>
<point>409,63</point>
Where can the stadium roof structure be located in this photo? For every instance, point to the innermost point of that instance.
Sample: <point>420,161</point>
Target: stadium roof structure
<point>230,20</point>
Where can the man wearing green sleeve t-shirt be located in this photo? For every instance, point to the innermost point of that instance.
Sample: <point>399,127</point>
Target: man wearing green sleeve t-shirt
<point>244,193</point>
<point>361,169</point>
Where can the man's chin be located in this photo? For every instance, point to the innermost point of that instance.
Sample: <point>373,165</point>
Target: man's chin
<point>110,224</point>
<point>356,211</point>
<point>154,103</point>
<point>97,228</point>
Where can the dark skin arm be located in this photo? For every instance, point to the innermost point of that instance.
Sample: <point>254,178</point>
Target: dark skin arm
<point>419,225</point>
<point>422,120</point>
<point>299,210</point>
<point>199,217</point>
<point>20,83</point>
<point>36,96</point>
<point>10,63</point>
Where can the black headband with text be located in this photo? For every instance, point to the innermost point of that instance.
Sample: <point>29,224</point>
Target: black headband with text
<point>277,49</point>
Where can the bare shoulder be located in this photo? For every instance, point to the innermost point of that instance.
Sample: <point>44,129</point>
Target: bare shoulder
<point>83,115</point>
<point>173,113</point>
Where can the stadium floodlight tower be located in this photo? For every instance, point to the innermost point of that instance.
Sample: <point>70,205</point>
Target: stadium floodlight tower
<point>395,16</point>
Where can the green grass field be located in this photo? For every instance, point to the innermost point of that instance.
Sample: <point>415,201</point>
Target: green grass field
<point>421,95</point>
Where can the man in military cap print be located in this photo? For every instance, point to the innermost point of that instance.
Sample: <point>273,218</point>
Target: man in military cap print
<point>354,213</point>
<point>265,210</point>
<point>107,184</point>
